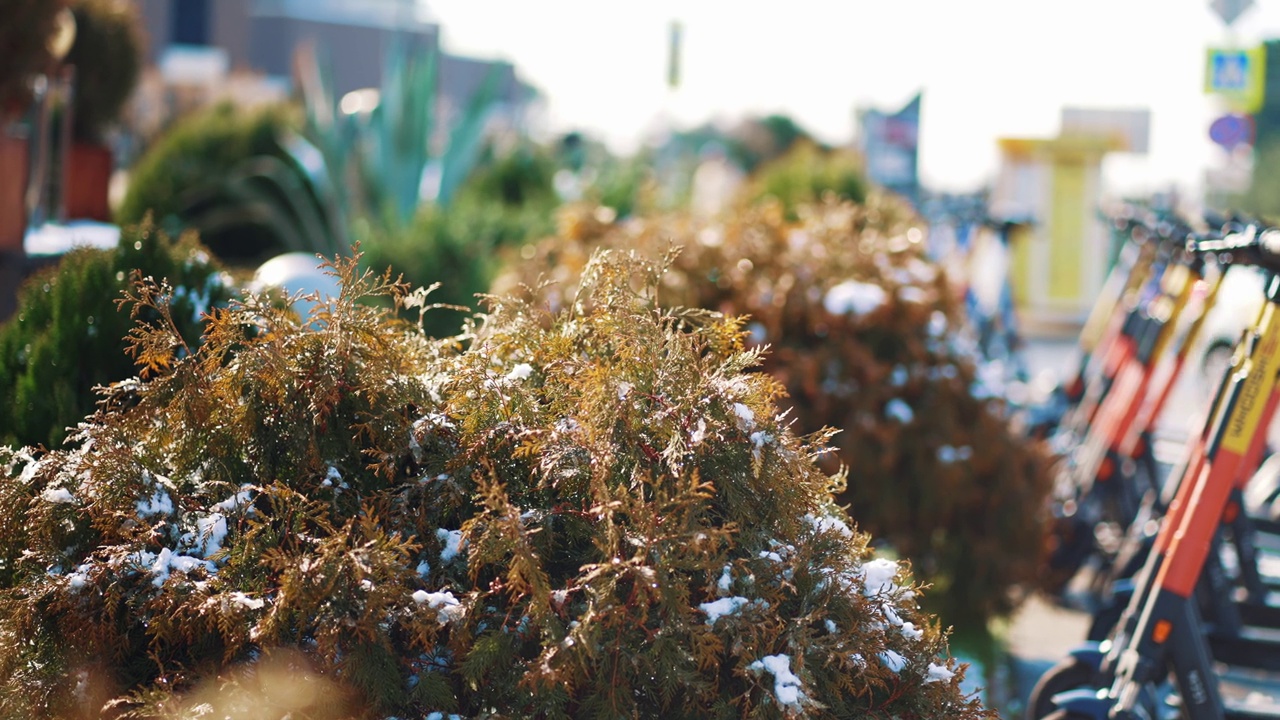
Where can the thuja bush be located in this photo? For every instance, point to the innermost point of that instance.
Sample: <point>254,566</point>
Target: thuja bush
<point>807,174</point>
<point>862,332</point>
<point>107,55</point>
<point>595,512</point>
<point>68,334</point>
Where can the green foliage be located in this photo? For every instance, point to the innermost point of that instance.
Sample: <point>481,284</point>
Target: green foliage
<point>525,176</point>
<point>934,467</point>
<point>1263,196</point>
<point>374,161</point>
<point>26,27</point>
<point>228,174</point>
<point>808,174</point>
<point>595,512</point>
<point>107,55</point>
<point>68,335</point>
<point>508,201</point>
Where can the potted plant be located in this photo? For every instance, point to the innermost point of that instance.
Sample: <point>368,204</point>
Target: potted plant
<point>107,60</point>
<point>24,52</point>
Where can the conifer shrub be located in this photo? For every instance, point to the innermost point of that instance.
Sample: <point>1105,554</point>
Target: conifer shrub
<point>201,175</point>
<point>592,512</point>
<point>509,200</point>
<point>862,332</point>
<point>24,51</point>
<point>68,335</point>
<point>107,55</point>
<point>808,174</point>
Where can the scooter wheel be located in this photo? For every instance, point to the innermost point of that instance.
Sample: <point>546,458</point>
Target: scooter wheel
<point>1069,674</point>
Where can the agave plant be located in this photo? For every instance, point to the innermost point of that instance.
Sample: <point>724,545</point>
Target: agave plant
<point>376,161</point>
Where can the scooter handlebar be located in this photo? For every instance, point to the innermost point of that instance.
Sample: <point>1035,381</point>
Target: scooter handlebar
<point>1250,245</point>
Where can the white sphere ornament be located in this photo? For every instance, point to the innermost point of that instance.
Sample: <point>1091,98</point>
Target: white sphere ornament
<point>297,272</point>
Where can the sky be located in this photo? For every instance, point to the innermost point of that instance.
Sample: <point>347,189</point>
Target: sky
<point>986,68</point>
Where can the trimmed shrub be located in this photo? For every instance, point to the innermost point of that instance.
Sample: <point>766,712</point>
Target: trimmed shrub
<point>862,331</point>
<point>107,54</point>
<point>509,201</point>
<point>809,174</point>
<point>67,335</point>
<point>590,513</point>
<point>23,50</point>
<point>187,179</point>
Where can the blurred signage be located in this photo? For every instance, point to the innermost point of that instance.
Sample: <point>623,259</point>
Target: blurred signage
<point>1229,10</point>
<point>1237,75</point>
<point>1232,130</point>
<point>673,55</point>
<point>1129,130</point>
<point>890,144</point>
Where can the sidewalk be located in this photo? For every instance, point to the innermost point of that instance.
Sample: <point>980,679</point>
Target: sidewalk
<point>1040,634</point>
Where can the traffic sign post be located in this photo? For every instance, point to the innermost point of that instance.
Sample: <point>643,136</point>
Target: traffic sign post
<point>1230,10</point>
<point>1231,131</point>
<point>1238,76</point>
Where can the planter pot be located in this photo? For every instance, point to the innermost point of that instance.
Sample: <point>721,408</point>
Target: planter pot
<point>13,184</point>
<point>13,217</point>
<point>88,180</point>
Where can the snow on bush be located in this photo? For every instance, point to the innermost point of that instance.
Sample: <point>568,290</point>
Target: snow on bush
<point>358,521</point>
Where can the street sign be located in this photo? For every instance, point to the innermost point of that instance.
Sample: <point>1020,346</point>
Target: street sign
<point>1230,131</point>
<point>1229,10</point>
<point>1237,75</point>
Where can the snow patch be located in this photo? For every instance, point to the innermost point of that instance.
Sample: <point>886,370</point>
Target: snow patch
<point>898,409</point>
<point>244,601</point>
<point>853,297</point>
<point>938,673</point>
<point>828,523</point>
<point>59,495</point>
<point>158,504</point>
<point>444,603</point>
<point>724,606</point>
<point>210,532</point>
<point>168,562</point>
<point>725,581</point>
<point>878,576</point>
<point>520,372</point>
<point>452,541</point>
<point>893,660</point>
<point>786,686</point>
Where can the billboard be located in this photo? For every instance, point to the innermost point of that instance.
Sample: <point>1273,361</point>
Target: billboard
<point>890,144</point>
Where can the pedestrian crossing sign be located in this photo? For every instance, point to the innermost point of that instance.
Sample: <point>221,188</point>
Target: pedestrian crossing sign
<point>1238,76</point>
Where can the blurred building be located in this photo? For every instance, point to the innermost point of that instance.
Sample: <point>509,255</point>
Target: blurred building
<point>205,42</point>
<point>1060,261</point>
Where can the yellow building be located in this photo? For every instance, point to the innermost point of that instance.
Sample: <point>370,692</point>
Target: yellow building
<point>1058,262</point>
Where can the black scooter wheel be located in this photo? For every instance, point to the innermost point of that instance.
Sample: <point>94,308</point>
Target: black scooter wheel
<point>1069,674</point>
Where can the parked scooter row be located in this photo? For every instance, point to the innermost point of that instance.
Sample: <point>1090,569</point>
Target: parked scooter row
<point>1178,589</point>
<point>1133,350</point>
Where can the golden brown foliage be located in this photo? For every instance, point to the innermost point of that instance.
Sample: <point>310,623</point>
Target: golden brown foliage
<point>863,333</point>
<point>590,513</point>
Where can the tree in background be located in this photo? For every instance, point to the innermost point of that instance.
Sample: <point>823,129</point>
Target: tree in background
<point>1263,196</point>
<point>25,27</point>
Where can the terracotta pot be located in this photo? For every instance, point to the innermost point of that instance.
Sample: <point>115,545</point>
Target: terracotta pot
<point>88,180</point>
<point>13,218</point>
<point>13,183</point>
